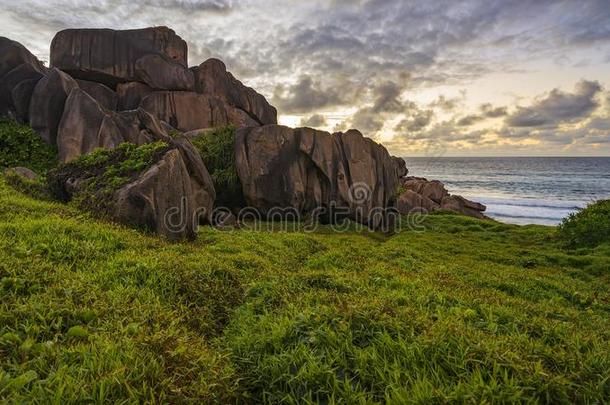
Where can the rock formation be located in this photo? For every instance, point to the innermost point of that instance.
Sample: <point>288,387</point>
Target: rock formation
<point>420,195</point>
<point>212,78</point>
<point>187,111</point>
<point>19,73</point>
<point>304,169</point>
<point>155,56</point>
<point>106,88</point>
<point>171,193</point>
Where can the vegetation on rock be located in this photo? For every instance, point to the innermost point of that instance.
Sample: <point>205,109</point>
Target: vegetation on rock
<point>465,310</point>
<point>103,172</point>
<point>588,227</point>
<point>21,146</point>
<point>217,150</point>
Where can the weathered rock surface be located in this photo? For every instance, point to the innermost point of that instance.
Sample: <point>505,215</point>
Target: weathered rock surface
<point>155,56</point>
<point>17,65</point>
<point>187,111</point>
<point>401,166</point>
<point>304,169</point>
<point>47,103</point>
<point>87,125</point>
<point>171,196</point>
<point>212,78</point>
<point>423,196</point>
<point>102,94</point>
<point>131,94</point>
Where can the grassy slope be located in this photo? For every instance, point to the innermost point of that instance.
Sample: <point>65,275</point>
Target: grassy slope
<point>467,310</point>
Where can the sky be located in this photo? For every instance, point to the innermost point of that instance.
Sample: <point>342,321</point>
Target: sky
<point>425,78</point>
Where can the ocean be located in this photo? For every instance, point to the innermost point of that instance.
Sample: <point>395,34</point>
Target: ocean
<point>521,190</point>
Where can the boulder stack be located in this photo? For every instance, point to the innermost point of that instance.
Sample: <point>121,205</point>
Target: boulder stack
<point>107,88</point>
<point>344,174</point>
<point>419,195</point>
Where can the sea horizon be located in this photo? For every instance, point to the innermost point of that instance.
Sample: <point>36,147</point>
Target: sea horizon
<point>538,190</point>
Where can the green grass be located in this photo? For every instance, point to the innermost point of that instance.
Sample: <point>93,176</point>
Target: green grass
<point>465,311</point>
<point>21,146</point>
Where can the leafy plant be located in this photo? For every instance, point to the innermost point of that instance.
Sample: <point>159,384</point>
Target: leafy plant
<point>217,150</point>
<point>588,227</point>
<point>21,146</point>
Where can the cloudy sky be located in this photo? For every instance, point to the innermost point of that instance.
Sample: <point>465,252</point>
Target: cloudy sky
<point>488,77</point>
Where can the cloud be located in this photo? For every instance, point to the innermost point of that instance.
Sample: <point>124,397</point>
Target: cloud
<point>490,111</point>
<point>558,106</point>
<point>314,121</point>
<point>417,122</point>
<point>304,96</point>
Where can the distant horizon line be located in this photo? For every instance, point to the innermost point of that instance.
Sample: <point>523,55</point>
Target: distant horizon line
<point>504,156</point>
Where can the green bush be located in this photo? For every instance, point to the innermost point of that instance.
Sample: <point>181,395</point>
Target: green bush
<point>217,149</point>
<point>588,227</point>
<point>21,146</point>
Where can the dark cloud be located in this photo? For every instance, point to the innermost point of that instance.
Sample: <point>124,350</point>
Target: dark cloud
<point>314,121</point>
<point>304,96</point>
<point>417,122</point>
<point>558,106</point>
<point>490,111</point>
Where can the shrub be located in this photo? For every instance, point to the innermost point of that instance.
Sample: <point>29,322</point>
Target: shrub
<point>588,227</point>
<point>21,146</point>
<point>217,150</point>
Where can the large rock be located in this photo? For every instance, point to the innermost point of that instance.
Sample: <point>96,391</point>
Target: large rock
<point>304,170</point>
<point>420,195</point>
<point>102,94</point>
<point>410,202</point>
<point>22,95</point>
<point>171,195</point>
<point>187,111</point>
<point>463,206</point>
<point>47,103</point>
<point>17,65</point>
<point>155,56</point>
<point>212,78</point>
<point>131,95</point>
<point>13,54</point>
<point>87,125</point>
<point>401,166</point>
<point>434,189</point>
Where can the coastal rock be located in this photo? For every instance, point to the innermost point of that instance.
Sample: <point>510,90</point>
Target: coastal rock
<point>411,202</point>
<point>434,189</point>
<point>461,205</point>
<point>47,103</point>
<point>87,125</point>
<point>401,166</point>
<point>131,94</point>
<point>17,65</point>
<point>187,111</point>
<point>420,195</point>
<point>102,94</point>
<point>22,96</point>
<point>212,78</point>
<point>171,196</point>
<point>304,169</point>
<point>155,56</point>
<point>13,54</point>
